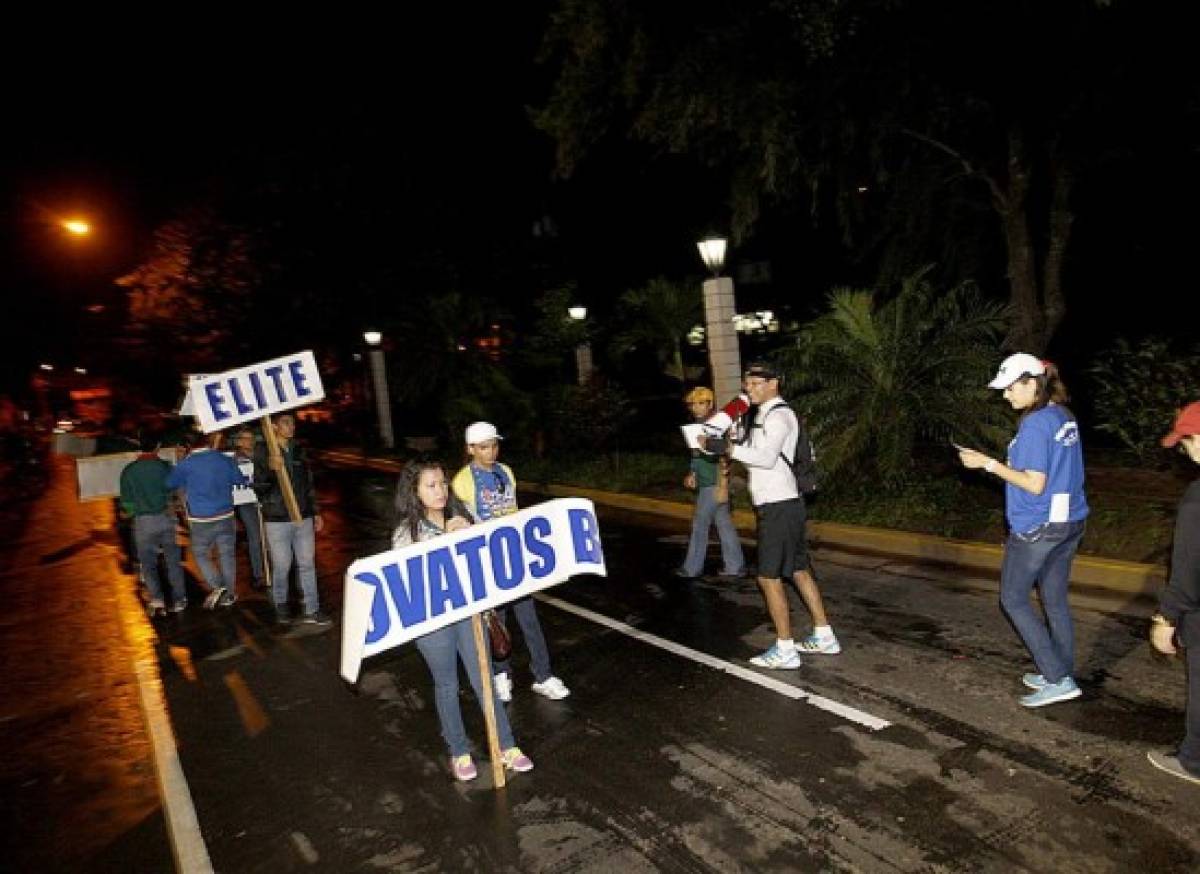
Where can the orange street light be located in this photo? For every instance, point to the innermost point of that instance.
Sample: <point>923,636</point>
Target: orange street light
<point>77,227</point>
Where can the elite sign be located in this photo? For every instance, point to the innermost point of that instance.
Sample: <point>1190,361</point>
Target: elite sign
<point>223,400</point>
<point>396,596</point>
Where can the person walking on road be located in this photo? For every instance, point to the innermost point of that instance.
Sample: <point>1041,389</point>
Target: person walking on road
<point>425,509</point>
<point>488,489</point>
<point>290,542</point>
<point>1046,509</point>
<point>207,478</point>
<point>145,497</point>
<point>247,507</point>
<point>781,515</point>
<point>712,508</point>
<point>1177,623</point>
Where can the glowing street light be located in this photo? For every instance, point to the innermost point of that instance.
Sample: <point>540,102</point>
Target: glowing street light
<point>583,352</point>
<point>383,398</point>
<point>76,227</point>
<point>724,357</point>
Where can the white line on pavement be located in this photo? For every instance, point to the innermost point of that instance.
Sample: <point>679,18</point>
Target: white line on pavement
<point>786,689</point>
<point>183,827</point>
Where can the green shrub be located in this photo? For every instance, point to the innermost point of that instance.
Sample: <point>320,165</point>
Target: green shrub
<point>1139,387</point>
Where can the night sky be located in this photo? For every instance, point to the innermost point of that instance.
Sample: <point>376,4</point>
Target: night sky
<point>421,127</point>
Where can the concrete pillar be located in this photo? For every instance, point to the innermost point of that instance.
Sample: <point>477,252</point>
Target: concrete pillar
<point>583,363</point>
<point>724,357</point>
<point>383,400</point>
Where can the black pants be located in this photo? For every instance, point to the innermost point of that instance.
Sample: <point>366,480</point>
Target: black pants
<point>1189,635</point>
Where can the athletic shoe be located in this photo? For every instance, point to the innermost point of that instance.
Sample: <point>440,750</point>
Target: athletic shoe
<point>503,686</point>
<point>1172,765</point>
<point>227,600</point>
<point>156,608</point>
<point>463,768</point>
<point>515,760</point>
<point>316,618</point>
<point>283,615</point>
<point>1034,681</point>
<point>1064,690</point>
<point>822,645</point>
<point>777,659</point>
<point>179,606</point>
<point>213,599</point>
<point>553,688</point>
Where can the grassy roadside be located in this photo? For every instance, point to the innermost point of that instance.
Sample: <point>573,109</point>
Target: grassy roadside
<point>1132,511</point>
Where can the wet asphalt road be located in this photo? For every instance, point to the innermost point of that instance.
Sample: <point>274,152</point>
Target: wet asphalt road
<point>656,762</point>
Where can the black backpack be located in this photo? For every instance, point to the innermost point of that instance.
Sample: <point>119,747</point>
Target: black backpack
<point>804,465</point>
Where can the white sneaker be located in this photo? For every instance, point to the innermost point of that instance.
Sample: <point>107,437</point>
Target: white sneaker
<point>503,686</point>
<point>214,597</point>
<point>553,688</point>
<point>822,645</point>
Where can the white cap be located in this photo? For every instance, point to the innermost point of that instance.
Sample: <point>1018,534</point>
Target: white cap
<point>481,432</point>
<point>1014,367</point>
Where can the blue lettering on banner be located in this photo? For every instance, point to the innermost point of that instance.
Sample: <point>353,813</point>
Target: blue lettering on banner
<point>470,550</point>
<point>543,552</point>
<point>381,621</point>
<point>409,599</point>
<point>507,567</point>
<point>585,534</point>
<point>297,370</point>
<point>256,384</point>
<point>215,402</point>
<point>238,401</point>
<point>444,584</point>
<point>275,373</point>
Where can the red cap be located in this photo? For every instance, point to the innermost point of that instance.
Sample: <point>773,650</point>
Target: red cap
<point>1186,424</point>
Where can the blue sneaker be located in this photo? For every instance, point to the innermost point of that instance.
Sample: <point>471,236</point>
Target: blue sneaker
<point>777,659</point>
<point>816,644</point>
<point>1064,690</point>
<point>1034,681</point>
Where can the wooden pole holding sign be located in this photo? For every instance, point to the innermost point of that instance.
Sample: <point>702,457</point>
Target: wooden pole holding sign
<point>281,471</point>
<point>489,700</point>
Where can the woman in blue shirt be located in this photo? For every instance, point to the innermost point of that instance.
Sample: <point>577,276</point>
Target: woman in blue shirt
<point>1046,509</point>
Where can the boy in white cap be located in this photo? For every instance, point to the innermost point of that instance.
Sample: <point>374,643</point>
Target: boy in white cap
<point>489,489</point>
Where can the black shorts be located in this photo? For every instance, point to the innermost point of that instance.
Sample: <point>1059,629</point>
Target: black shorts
<point>782,545</point>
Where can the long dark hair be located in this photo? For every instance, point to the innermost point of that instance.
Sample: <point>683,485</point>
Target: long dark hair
<point>409,509</point>
<point>1050,390</point>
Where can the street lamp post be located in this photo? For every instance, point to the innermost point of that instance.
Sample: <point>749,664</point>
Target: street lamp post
<point>383,400</point>
<point>583,352</point>
<point>719,308</point>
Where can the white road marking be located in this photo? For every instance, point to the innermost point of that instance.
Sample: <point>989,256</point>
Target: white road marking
<point>183,827</point>
<point>767,682</point>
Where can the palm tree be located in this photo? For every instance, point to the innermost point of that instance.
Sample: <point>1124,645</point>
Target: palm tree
<point>658,316</point>
<point>876,374</point>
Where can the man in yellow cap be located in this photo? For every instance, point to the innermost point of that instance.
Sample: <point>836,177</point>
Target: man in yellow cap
<point>712,504</point>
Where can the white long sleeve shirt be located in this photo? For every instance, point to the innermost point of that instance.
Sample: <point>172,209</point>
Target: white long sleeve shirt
<point>771,438</point>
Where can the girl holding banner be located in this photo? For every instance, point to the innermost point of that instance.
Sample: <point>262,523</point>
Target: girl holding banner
<point>425,509</point>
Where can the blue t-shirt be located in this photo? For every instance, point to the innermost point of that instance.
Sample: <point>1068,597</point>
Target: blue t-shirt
<point>1048,442</point>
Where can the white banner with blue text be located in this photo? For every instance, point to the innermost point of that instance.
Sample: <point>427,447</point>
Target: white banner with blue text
<point>396,596</point>
<point>222,400</point>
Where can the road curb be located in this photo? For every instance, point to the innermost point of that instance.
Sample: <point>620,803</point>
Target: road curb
<point>1112,575</point>
<point>1108,574</point>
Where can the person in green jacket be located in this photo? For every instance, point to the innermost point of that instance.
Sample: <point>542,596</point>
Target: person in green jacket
<point>145,496</point>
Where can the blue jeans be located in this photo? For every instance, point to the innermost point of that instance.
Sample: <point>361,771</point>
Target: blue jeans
<point>708,512</point>
<point>150,534</point>
<point>1188,632</point>
<point>206,535</point>
<point>442,650</point>
<point>1042,558</point>
<point>287,540</point>
<point>535,641</point>
<point>252,522</point>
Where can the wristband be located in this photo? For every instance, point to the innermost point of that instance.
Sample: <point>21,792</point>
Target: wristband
<point>990,467</point>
